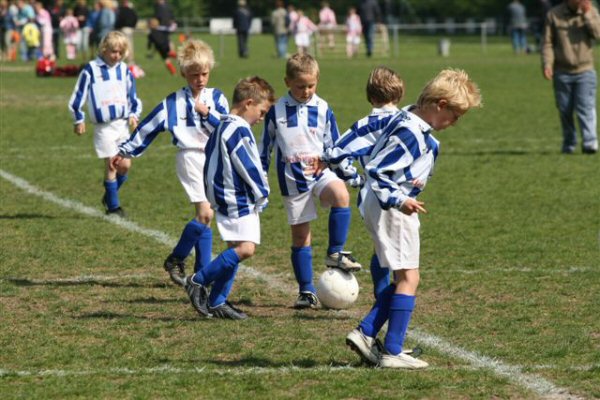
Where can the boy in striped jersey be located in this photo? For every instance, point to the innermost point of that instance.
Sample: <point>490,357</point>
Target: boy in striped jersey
<point>384,90</point>
<point>237,189</point>
<point>109,88</point>
<point>300,126</point>
<point>401,162</point>
<point>190,114</point>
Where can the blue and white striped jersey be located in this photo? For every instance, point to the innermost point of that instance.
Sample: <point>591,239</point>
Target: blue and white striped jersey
<point>357,142</point>
<point>176,114</point>
<point>299,132</point>
<point>109,91</point>
<point>401,161</point>
<point>235,182</point>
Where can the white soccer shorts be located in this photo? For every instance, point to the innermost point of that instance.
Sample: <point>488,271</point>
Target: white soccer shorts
<point>303,207</point>
<point>190,171</point>
<point>239,229</point>
<point>395,234</point>
<point>108,137</point>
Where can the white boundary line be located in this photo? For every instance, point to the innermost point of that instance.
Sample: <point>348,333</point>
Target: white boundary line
<point>537,384</point>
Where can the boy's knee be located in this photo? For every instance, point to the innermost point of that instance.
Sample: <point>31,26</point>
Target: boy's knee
<point>245,250</point>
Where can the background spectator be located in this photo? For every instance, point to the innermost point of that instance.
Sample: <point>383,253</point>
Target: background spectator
<point>370,16</point>
<point>44,20</point>
<point>517,22</point>
<point>81,12</point>
<point>106,20</point>
<point>69,26</point>
<point>353,32</point>
<point>242,20</point>
<point>327,25</point>
<point>303,30</point>
<point>126,22</point>
<point>280,22</point>
<point>57,12</point>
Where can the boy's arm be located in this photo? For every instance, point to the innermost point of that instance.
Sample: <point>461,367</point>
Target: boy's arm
<point>331,134</point>
<point>247,163</point>
<point>135,104</point>
<point>268,140</point>
<point>145,133</point>
<point>396,156</point>
<point>212,117</point>
<point>79,96</point>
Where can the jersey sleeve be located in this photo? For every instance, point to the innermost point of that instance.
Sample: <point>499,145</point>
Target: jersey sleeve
<point>79,96</point>
<point>268,140</point>
<point>331,133</point>
<point>135,104</point>
<point>145,133</point>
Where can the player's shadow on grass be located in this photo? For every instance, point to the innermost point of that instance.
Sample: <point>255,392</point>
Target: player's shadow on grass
<point>109,315</point>
<point>83,282</point>
<point>255,362</point>
<point>26,216</point>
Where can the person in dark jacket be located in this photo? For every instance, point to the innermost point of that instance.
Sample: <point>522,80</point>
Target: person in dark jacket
<point>242,19</point>
<point>126,22</point>
<point>370,16</point>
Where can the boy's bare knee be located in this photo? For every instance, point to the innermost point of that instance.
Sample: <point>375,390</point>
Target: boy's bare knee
<point>245,250</point>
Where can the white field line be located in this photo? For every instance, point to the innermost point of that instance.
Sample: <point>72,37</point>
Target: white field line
<point>537,384</point>
<point>168,370</point>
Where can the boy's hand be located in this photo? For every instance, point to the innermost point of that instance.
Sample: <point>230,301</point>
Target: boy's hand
<point>548,73</point>
<point>115,161</point>
<point>411,205</point>
<point>201,108</point>
<point>133,122</point>
<point>79,129</point>
<point>319,166</point>
<point>585,6</point>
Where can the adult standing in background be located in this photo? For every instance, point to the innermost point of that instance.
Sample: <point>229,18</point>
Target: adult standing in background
<point>126,22</point>
<point>568,60</point>
<point>106,20</point>
<point>242,20</point>
<point>517,21</point>
<point>280,22</point>
<point>44,20</point>
<point>370,16</point>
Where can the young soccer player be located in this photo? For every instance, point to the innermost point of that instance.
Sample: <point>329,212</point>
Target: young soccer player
<point>109,88</point>
<point>400,165</point>
<point>384,90</point>
<point>237,190</point>
<point>190,115</point>
<point>300,125</point>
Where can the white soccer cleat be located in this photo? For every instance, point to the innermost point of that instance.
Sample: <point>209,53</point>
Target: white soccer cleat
<point>402,360</point>
<point>363,345</point>
<point>343,260</point>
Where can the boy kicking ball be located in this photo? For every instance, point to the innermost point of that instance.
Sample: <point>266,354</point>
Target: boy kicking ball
<point>400,165</point>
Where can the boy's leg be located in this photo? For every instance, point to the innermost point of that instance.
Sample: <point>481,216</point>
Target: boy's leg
<point>203,248</point>
<point>380,276</point>
<point>110,199</point>
<point>336,195</point>
<point>302,264</point>
<point>174,264</point>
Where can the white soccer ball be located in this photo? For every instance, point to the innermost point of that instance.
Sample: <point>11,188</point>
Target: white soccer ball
<point>337,289</point>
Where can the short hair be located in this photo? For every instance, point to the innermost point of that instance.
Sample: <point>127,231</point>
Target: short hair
<point>255,88</point>
<point>299,64</point>
<point>454,86</point>
<point>114,40</point>
<point>195,52</point>
<point>384,86</point>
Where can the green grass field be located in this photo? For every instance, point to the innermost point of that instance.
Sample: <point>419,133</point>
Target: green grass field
<point>507,308</point>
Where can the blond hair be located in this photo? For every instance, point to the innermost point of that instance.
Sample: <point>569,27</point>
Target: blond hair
<point>114,40</point>
<point>195,52</point>
<point>454,86</point>
<point>254,88</point>
<point>299,64</point>
<point>384,86</point>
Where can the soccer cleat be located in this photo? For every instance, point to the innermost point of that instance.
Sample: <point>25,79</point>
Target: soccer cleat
<point>176,269</point>
<point>306,300</point>
<point>342,260</point>
<point>198,295</point>
<point>402,360</point>
<point>228,311</point>
<point>117,211</point>
<point>365,346</point>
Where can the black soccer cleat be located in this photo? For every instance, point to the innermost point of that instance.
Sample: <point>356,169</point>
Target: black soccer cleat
<point>176,269</point>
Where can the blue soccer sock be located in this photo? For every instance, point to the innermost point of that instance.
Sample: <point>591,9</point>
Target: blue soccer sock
<point>372,323</point>
<point>401,308</point>
<point>121,179</point>
<point>192,231</point>
<point>111,194</point>
<point>222,286</point>
<point>302,263</point>
<point>227,260</point>
<point>339,224</point>
<point>380,276</point>
<point>203,247</point>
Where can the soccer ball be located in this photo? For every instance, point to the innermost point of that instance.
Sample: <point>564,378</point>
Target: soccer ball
<point>337,289</point>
